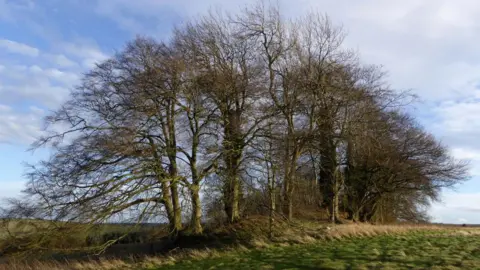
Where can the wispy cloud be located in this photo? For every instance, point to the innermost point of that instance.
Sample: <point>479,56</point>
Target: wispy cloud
<point>60,60</point>
<point>39,80</point>
<point>86,51</point>
<point>19,127</point>
<point>10,9</point>
<point>19,48</point>
<point>5,108</point>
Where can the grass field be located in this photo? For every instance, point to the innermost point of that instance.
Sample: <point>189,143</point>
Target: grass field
<point>414,250</point>
<point>309,246</point>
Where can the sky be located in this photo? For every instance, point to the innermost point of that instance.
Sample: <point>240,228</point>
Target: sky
<point>427,46</point>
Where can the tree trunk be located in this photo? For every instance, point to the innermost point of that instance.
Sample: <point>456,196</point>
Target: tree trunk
<point>171,143</point>
<point>336,188</point>
<point>287,201</point>
<point>177,209</point>
<point>172,204</point>
<point>334,207</point>
<point>231,197</point>
<point>196,210</point>
<point>167,201</point>
<point>196,218</point>
<point>291,157</point>
<point>288,204</point>
<point>233,150</point>
<point>289,186</point>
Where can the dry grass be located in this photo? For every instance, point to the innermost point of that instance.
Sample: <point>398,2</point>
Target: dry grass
<point>309,232</point>
<point>368,230</point>
<point>106,264</point>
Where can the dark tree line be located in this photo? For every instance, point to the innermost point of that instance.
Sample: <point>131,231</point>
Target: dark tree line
<point>247,114</point>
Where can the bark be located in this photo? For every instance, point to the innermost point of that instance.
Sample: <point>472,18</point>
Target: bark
<point>287,202</point>
<point>171,208</point>
<point>290,169</point>
<point>231,197</point>
<point>197,210</point>
<point>173,168</point>
<point>334,207</point>
<point>233,147</point>
<point>334,218</point>
<point>167,200</point>
<point>177,209</point>
<point>291,157</point>
<point>196,221</point>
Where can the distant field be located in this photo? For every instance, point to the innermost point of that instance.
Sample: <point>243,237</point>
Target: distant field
<point>415,250</point>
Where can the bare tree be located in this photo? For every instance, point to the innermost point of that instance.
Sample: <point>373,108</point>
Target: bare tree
<point>227,75</point>
<point>117,150</point>
<point>396,160</point>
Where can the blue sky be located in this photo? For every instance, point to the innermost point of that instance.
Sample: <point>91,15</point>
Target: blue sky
<point>427,46</point>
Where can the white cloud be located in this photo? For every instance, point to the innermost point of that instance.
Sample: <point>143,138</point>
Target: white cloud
<point>35,69</point>
<point>461,116</point>
<point>86,51</point>
<point>36,110</point>
<point>19,127</point>
<point>457,208</point>
<point>5,108</point>
<point>61,60</point>
<point>457,124</point>
<point>38,91</point>
<point>48,87</point>
<point>38,83</point>
<point>19,48</point>
<point>463,153</point>
<point>66,78</point>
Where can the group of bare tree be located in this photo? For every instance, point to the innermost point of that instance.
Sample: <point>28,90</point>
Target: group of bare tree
<point>248,113</point>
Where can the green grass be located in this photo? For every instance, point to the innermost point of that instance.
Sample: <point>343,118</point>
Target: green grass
<point>416,250</point>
